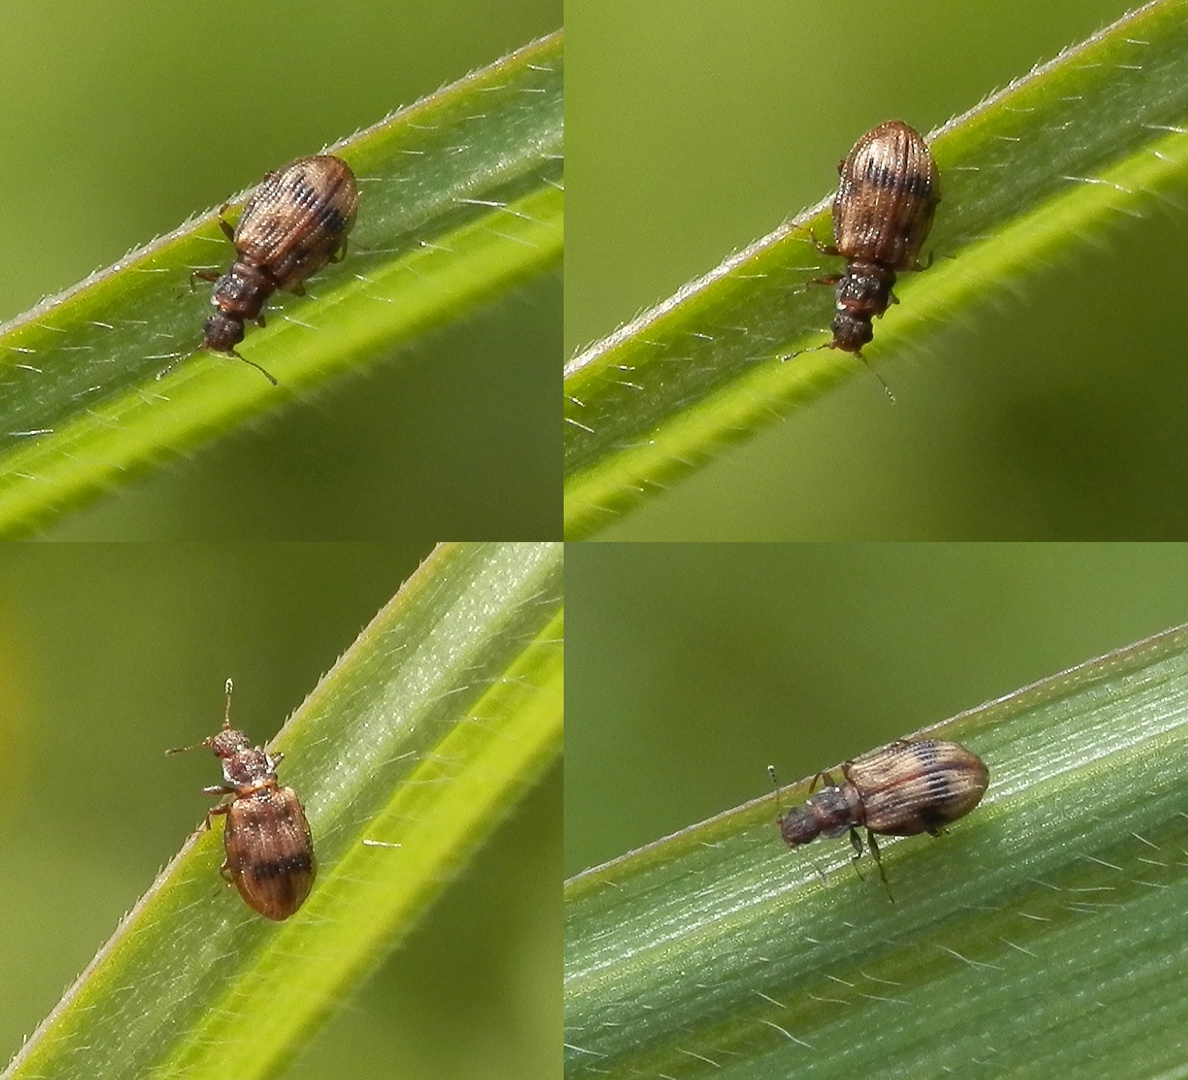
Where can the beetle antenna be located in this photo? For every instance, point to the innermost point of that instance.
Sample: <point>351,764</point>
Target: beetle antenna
<point>828,345</point>
<point>882,382</point>
<point>792,356</point>
<point>268,375</point>
<point>206,742</point>
<point>772,773</point>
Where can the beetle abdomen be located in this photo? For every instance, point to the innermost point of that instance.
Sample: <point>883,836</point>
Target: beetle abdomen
<point>298,218</point>
<point>915,787</point>
<point>886,198</point>
<point>270,851</point>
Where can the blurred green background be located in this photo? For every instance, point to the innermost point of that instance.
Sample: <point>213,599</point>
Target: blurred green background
<point>111,653</point>
<point>691,667</point>
<point>122,119</point>
<point>1055,410</point>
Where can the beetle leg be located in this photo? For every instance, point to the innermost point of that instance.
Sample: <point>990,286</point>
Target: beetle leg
<point>824,249</point>
<point>856,843</point>
<point>225,225</point>
<point>874,850</point>
<point>340,254</point>
<point>202,275</point>
<point>222,809</point>
<point>225,872</point>
<point>827,777</point>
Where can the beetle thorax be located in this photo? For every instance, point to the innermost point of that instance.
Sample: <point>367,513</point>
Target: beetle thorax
<point>242,290</point>
<point>248,768</point>
<point>830,812</point>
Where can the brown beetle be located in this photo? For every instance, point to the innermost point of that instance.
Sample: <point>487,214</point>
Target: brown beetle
<point>901,789</point>
<point>269,847</point>
<point>297,221</point>
<point>881,217</point>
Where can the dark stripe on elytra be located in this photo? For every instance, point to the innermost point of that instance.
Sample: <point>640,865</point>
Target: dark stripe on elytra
<point>932,818</point>
<point>321,206</point>
<point>303,193</point>
<point>880,175</point>
<point>940,791</point>
<point>928,752</point>
<point>331,219</point>
<point>283,867</point>
<point>304,190</point>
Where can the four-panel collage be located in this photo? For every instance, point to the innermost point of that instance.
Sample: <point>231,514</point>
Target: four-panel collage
<point>822,365</point>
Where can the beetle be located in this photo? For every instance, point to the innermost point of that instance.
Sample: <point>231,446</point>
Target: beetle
<point>270,856</point>
<point>297,220</point>
<point>882,214</point>
<point>901,789</point>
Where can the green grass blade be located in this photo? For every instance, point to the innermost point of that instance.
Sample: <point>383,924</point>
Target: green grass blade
<point>1041,936</point>
<point>424,735</point>
<point>460,201</point>
<point>1095,134</point>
